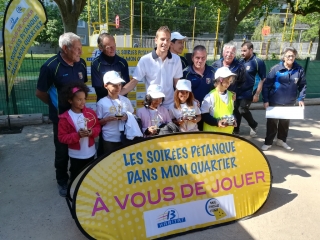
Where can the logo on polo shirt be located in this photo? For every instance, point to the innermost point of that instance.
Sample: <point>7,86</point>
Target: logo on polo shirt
<point>248,67</point>
<point>80,75</point>
<point>208,80</point>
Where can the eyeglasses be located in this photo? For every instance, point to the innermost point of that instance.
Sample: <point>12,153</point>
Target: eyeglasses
<point>290,56</point>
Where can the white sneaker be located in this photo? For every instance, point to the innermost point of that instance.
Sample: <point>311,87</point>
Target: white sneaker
<point>253,132</point>
<point>284,145</point>
<point>265,147</point>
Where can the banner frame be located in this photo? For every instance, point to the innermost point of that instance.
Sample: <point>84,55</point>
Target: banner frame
<point>89,167</point>
<point>4,45</point>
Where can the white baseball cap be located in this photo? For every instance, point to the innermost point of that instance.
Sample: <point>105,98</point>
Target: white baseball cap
<point>112,77</point>
<point>183,85</point>
<point>223,72</point>
<point>178,36</point>
<point>155,91</point>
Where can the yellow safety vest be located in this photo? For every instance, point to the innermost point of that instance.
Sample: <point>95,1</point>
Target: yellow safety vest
<point>220,109</point>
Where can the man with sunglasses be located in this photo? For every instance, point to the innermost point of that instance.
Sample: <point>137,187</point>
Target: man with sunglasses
<point>107,61</point>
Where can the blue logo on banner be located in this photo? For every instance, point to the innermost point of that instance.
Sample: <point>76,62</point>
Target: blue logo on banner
<point>20,9</point>
<point>170,217</point>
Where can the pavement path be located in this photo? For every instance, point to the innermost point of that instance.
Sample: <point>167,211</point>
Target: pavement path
<point>30,207</point>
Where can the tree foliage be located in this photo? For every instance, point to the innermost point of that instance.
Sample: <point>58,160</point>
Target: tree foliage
<point>53,29</point>
<point>312,19</point>
<point>237,10</point>
<point>304,8</point>
<point>273,22</point>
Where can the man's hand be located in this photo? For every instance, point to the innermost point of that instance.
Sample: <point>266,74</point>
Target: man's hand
<point>255,98</point>
<point>266,105</point>
<point>301,103</point>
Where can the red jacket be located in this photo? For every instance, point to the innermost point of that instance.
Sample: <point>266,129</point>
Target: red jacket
<point>67,133</point>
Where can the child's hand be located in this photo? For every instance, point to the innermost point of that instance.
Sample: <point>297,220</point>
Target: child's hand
<point>111,118</point>
<point>152,130</point>
<point>180,120</point>
<point>124,117</point>
<point>222,123</point>
<point>89,133</point>
<point>194,120</point>
<point>83,133</point>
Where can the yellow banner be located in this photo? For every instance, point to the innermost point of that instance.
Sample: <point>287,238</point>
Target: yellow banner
<point>171,184</point>
<point>24,19</point>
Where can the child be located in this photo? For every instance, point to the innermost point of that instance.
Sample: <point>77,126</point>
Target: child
<point>153,115</point>
<point>78,127</point>
<point>185,113</point>
<point>217,105</point>
<point>112,111</point>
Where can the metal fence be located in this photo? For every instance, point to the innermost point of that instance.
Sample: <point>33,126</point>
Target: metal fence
<point>23,100</point>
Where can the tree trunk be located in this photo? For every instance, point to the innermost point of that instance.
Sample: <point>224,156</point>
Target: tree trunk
<point>70,11</point>
<point>230,28</point>
<point>318,49</point>
<point>70,23</point>
<point>231,23</point>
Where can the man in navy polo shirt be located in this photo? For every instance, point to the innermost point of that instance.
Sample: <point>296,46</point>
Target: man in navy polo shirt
<point>200,74</point>
<point>255,75</point>
<point>229,60</point>
<point>107,61</point>
<point>55,73</point>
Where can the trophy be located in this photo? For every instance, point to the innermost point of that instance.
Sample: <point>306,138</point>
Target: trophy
<point>155,120</point>
<point>188,113</point>
<point>83,121</point>
<point>119,113</point>
<point>229,120</point>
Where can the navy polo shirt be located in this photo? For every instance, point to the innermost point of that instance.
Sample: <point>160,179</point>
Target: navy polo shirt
<point>55,73</point>
<point>100,66</point>
<point>200,85</point>
<point>255,71</point>
<point>237,68</point>
<point>184,62</point>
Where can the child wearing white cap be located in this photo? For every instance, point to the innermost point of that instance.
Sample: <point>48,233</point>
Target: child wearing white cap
<point>217,106</point>
<point>185,113</point>
<point>153,115</point>
<point>111,111</point>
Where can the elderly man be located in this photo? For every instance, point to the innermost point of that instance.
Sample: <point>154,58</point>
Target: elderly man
<point>158,67</point>
<point>229,60</point>
<point>200,74</point>
<point>55,73</point>
<point>255,76</point>
<point>107,61</point>
<point>177,46</point>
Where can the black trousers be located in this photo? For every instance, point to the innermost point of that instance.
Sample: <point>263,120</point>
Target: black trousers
<point>279,127</point>
<point>110,146</point>
<point>241,109</point>
<point>76,165</point>
<point>100,145</point>
<point>61,159</point>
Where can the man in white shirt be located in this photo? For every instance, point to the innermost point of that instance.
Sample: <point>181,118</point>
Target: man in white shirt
<point>158,67</point>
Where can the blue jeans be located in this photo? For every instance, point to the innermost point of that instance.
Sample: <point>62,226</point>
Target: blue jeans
<point>61,159</point>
